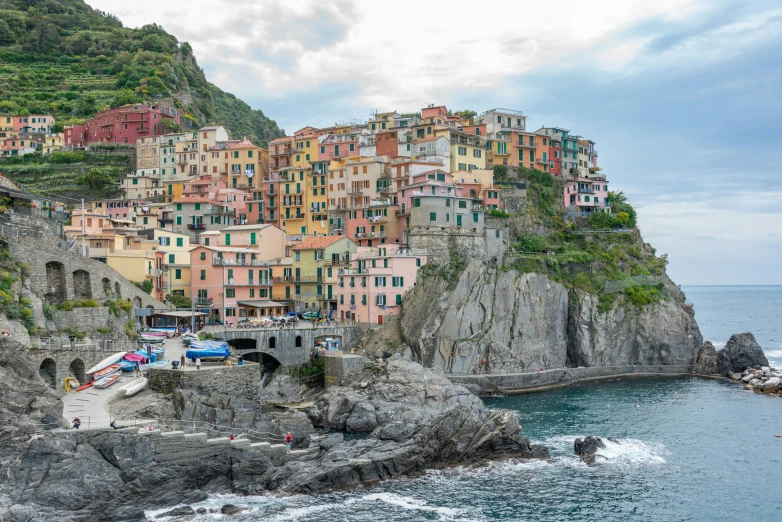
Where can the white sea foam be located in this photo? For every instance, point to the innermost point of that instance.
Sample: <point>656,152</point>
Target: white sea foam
<point>624,452</point>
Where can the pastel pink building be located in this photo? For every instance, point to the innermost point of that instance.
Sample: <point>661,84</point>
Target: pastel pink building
<point>333,146</point>
<point>583,196</point>
<point>372,288</point>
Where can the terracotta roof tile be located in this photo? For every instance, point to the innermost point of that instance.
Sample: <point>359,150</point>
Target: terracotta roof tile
<point>317,242</point>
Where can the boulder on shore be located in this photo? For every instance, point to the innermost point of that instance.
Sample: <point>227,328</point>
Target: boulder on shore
<point>401,391</point>
<point>707,361</point>
<point>741,352</point>
<point>587,448</point>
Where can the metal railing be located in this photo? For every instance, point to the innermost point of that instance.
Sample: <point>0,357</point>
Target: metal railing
<point>222,261</point>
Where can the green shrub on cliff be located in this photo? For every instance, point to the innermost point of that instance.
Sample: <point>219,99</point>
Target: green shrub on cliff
<point>118,306</point>
<point>641,296</point>
<point>65,306</point>
<point>85,303</point>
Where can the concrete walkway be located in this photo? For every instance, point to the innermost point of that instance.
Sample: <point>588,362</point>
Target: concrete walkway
<point>91,405</point>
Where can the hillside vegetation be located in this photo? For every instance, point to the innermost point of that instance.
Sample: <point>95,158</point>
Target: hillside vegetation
<point>583,253</point>
<point>78,174</point>
<point>66,58</point>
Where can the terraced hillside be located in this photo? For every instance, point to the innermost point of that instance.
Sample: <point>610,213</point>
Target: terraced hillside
<point>79,174</point>
<point>66,58</point>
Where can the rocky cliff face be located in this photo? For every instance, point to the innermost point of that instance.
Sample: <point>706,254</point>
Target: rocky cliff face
<point>490,319</point>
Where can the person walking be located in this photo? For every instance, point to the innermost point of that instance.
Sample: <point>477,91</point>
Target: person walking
<point>182,361</point>
<point>288,441</point>
<point>198,363</point>
<point>138,370</point>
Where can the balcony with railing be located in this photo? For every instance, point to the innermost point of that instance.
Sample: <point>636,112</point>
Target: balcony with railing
<point>196,226</point>
<point>204,301</point>
<point>247,282</point>
<point>353,271</point>
<point>298,279</point>
<point>280,151</point>
<point>221,211</point>
<point>224,261</point>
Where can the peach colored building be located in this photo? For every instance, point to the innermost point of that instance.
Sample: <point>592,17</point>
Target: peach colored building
<point>372,288</point>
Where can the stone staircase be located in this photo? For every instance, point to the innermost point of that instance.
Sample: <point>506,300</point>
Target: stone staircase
<point>199,439</point>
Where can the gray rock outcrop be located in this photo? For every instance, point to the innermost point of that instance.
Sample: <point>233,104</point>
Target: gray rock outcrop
<point>456,436</point>
<point>495,320</point>
<point>401,391</point>
<point>741,352</point>
<point>707,361</point>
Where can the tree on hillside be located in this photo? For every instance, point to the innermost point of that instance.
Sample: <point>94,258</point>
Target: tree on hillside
<point>95,179</point>
<point>617,198</point>
<point>123,97</point>
<point>43,37</point>
<point>5,32</point>
<point>169,126</point>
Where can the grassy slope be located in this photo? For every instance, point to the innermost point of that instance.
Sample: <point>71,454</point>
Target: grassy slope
<point>63,57</point>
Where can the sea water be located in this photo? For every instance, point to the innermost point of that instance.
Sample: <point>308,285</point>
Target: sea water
<point>686,449</point>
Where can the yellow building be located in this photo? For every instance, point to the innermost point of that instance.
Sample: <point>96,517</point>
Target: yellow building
<point>139,265</point>
<point>312,258</point>
<point>52,143</point>
<point>281,272</point>
<point>176,258</point>
<point>468,151</point>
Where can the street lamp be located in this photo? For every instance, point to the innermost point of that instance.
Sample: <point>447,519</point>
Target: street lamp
<point>192,314</point>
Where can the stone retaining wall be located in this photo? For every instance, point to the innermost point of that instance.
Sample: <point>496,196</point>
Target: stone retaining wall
<point>236,381</point>
<point>546,379</point>
<point>57,274</point>
<point>89,320</point>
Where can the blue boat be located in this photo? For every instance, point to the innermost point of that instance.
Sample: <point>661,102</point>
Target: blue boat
<point>208,350</point>
<point>127,366</point>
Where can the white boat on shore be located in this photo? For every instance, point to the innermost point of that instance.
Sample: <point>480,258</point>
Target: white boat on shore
<point>108,361</point>
<point>133,387</point>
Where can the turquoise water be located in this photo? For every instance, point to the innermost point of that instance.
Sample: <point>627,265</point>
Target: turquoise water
<point>689,449</point>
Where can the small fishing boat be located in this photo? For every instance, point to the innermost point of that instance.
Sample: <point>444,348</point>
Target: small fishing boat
<point>151,338</point>
<point>109,370</point>
<point>108,361</point>
<point>134,387</point>
<point>188,338</point>
<point>85,386</point>
<point>157,364</point>
<point>107,381</point>
<point>127,366</point>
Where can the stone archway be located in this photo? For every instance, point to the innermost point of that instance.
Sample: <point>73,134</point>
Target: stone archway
<point>243,344</point>
<point>137,302</point>
<point>55,283</point>
<point>298,341</point>
<point>268,363</point>
<point>106,286</point>
<point>77,368</point>
<point>82,289</point>
<point>48,372</point>
<point>272,342</point>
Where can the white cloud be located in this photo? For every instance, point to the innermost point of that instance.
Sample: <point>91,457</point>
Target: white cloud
<point>396,55</point>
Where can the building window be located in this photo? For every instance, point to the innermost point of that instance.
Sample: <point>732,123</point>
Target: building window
<point>203,256</point>
<point>178,273</point>
<point>230,292</point>
<point>432,216</point>
<point>179,242</point>
<point>203,275</point>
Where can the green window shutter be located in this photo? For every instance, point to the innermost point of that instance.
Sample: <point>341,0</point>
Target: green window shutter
<point>432,216</point>
<point>179,220</point>
<point>475,217</point>
<point>178,273</point>
<point>198,206</point>
<point>179,242</point>
<point>363,299</point>
<point>179,206</point>
<point>206,241</point>
<point>252,238</point>
<point>399,299</point>
<point>171,259</point>
<point>228,240</point>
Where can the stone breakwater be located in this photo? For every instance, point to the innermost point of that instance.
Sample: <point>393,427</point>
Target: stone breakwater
<point>763,379</point>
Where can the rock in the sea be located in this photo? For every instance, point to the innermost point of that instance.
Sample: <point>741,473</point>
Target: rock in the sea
<point>178,512</point>
<point>742,351</point>
<point>201,510</point>
<point>773,384</point>
<point>401,391</point>
<point>587,448</point>
<point>734,376</point>
<point>706,363</point>
<point>230,509</point>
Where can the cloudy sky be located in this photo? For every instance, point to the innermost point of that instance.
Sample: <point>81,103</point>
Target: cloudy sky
<point>683,97</point>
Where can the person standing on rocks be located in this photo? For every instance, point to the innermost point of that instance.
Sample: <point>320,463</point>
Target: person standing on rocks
<point>288,441</point>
